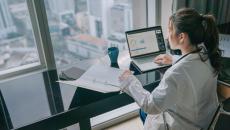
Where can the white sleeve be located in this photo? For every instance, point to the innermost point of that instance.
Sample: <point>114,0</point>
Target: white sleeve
<point>161,98</point>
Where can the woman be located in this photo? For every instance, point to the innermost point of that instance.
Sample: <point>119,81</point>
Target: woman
<point>186,96</point>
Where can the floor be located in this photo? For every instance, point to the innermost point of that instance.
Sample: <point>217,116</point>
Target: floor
<point>132,124</point>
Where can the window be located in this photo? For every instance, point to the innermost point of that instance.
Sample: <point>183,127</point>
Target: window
<point>84,29</point>
<point>79,30</point>
<point>17,44</point>
<point>166,12</point>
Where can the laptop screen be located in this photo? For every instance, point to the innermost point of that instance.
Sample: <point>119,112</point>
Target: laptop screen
<point>224,75</point>
<point>145,41</point>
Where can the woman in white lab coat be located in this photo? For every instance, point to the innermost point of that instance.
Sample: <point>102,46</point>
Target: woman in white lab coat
<point>186,97</point>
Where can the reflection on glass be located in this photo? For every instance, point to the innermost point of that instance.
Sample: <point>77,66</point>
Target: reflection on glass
<point>17,45</point>
<point>84,29</point>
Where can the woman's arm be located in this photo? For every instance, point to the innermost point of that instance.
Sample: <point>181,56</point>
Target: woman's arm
<point>161,98</point>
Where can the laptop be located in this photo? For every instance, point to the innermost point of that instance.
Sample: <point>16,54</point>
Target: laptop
<point>144,45</point>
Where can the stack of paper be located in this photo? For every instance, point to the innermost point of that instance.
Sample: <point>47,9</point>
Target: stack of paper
<point>99,77</point>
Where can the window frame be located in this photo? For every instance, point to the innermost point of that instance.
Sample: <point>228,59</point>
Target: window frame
<point>40,28</point>
<point>153,12</point>
<point>41,31</point>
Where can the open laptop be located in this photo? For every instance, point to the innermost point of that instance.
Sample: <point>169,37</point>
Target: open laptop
<point>144,45</point>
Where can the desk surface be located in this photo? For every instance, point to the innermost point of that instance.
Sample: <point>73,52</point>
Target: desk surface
<point>35,97</point>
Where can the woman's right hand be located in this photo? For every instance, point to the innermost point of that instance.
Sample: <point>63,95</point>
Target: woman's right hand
<point>163,59</point>
<point>125,75</point>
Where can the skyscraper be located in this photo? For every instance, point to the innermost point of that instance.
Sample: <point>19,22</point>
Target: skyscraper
<point>122,18</point>
<point>119,23</point>
<point>6,23</point>
<point>63,9</point>
<point>99,11</point>
<point>58,7</point>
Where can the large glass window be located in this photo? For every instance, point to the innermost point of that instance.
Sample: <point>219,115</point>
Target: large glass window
<point>17,44</point>
<point>84,29</point>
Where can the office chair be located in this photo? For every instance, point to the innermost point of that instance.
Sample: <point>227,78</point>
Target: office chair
<point>221,117</point>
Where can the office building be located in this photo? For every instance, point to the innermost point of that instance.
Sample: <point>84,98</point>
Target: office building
<point>82,20</point>
<point>99,17</point>
<point>122,18</point>
<point>63,10</point>
<point>119,23</point>
<point>117,40</point>
<point>21,13</point>
<point>86,46</point>
<point>80,5</point>
<point>60,6</point>
<point>6,22</point>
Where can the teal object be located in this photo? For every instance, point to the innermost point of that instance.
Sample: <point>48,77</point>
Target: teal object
<point>113,53</point>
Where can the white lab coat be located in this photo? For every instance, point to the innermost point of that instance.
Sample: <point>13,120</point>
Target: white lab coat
<point>187,90</point>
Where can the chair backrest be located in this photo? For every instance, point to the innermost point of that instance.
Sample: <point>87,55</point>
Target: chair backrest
<point>223,89</point>
<point>221,117</point>
<point>214,119</point>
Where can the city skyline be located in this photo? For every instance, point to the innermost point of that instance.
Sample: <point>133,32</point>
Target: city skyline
<point>72,29</point>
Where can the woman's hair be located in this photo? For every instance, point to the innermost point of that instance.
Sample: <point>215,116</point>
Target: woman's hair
<point>200,29</point>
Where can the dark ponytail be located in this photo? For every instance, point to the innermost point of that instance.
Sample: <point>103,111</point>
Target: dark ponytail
<point>200,29</point>
<point>211,41</point>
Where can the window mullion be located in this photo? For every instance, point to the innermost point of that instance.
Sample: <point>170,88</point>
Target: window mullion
<point>41,32</point>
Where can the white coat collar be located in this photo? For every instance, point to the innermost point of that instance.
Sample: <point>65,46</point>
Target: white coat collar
<point>195,56</point>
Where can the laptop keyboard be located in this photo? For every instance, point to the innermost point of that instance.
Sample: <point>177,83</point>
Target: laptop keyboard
<point>145,60</point>
<point>147,63</point>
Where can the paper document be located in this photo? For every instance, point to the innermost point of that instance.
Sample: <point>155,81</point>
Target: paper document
<point>99,77</point>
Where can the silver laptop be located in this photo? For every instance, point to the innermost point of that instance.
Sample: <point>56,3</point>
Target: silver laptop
<point>144,45</point>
